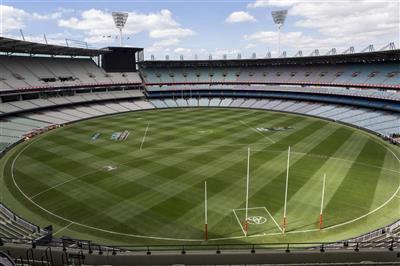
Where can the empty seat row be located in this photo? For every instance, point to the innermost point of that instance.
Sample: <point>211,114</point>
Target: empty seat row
<point>384,123</point>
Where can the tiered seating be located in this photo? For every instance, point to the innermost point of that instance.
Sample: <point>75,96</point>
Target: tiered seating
<point>130,105</point>
<point>13,128</point>
<point>144,105</point>
<point>19,106</point>
<point>372,75</point>
<point>170,103</point>
<point>225,102</point>
<point>260,103</point>
<point>181,102</point>
<point>364,93</point>
<point>20,73</point>
<point>384,123</point>
<point>215,102</point>
<point>14,228</point>
<point>193,102</point>
<point>204,102</point>
<point>159,104</point>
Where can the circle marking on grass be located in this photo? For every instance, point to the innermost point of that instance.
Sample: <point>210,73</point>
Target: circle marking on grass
<point>255,219</point>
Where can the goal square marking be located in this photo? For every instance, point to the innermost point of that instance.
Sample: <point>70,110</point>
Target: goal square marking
<point>256,217</point>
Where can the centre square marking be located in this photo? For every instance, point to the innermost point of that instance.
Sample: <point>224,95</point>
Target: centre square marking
<point>204,131</point>
<point>109,168</point>
<point>259,219</point>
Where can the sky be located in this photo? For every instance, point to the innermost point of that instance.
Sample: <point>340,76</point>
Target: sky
<point>201,28</point>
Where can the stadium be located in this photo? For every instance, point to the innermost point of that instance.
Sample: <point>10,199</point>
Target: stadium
<point>110,156</point>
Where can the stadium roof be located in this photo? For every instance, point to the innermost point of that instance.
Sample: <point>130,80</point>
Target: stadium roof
<point>8,45</point>
<point>379,56</point>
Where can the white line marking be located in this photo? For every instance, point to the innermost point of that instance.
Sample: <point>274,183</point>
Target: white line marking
<point>252,208</point>
<point>181,239</point>
<point>202,149</point>
<point>62,229</point>
<point>50,188</point>
<point>237,218</point>
<point>263,208</point>
<point>66,181</point>
<point>247,125</point>
<point>270,215</point>
<point>144,136</point>
<point>83,225</point>
<point>375,210</point>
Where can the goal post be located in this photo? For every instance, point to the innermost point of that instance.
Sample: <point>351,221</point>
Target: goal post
<point>284,225</point>
<point>205,212</point>
<point>246,223</point>
<point>321,218</point>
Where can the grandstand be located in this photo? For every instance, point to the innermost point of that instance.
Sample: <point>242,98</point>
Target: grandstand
<point>40,93</point>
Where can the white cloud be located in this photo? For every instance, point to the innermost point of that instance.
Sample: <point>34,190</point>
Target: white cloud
<point>55,15</point>
<point>356,19</point>
<point>250,46</point>
<point>168,33</point>
<point>340,23</point>
<point>182,50</point>
<point>162,45</point>
<point>278,3</point>
<point>240,16</point>
<point>12,18</point>
<point>97,23</point>
<point>219,52</point>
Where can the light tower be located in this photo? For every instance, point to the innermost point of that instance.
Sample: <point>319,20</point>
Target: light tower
<point>120,20</point>
<point>279,19</point>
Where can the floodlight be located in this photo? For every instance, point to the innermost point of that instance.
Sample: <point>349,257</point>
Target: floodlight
<point>120,19</point>
<point>279,17</point>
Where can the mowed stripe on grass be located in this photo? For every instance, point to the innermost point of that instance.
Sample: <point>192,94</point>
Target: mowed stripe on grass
<point>158,191</point>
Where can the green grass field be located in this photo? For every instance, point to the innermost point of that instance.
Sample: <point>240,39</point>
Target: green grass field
<point>149,188</point>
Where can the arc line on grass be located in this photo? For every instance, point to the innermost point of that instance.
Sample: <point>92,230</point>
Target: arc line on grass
<point>247,125</point>
<point>65,182</point>
<point>180,239</point>
<point>84,225</point>
<point>53,187</point>
<point>277,151</point>
<point>144,136</point>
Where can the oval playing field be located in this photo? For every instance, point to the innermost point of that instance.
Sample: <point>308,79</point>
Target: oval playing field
<point>141,179</point>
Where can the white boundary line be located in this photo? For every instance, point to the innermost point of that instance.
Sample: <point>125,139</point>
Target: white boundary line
<point>183,239</point>
<point>50,188</point>
<point>238,220</point>
<point>247,125</point>
<point>279,227</point>
<point>253,208</point>
<point>144,136</point>
<point>83,225</point>
<point>257,208</point>
<point>62,229</point>
<point>203,149</point>
<point>66,181</point>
